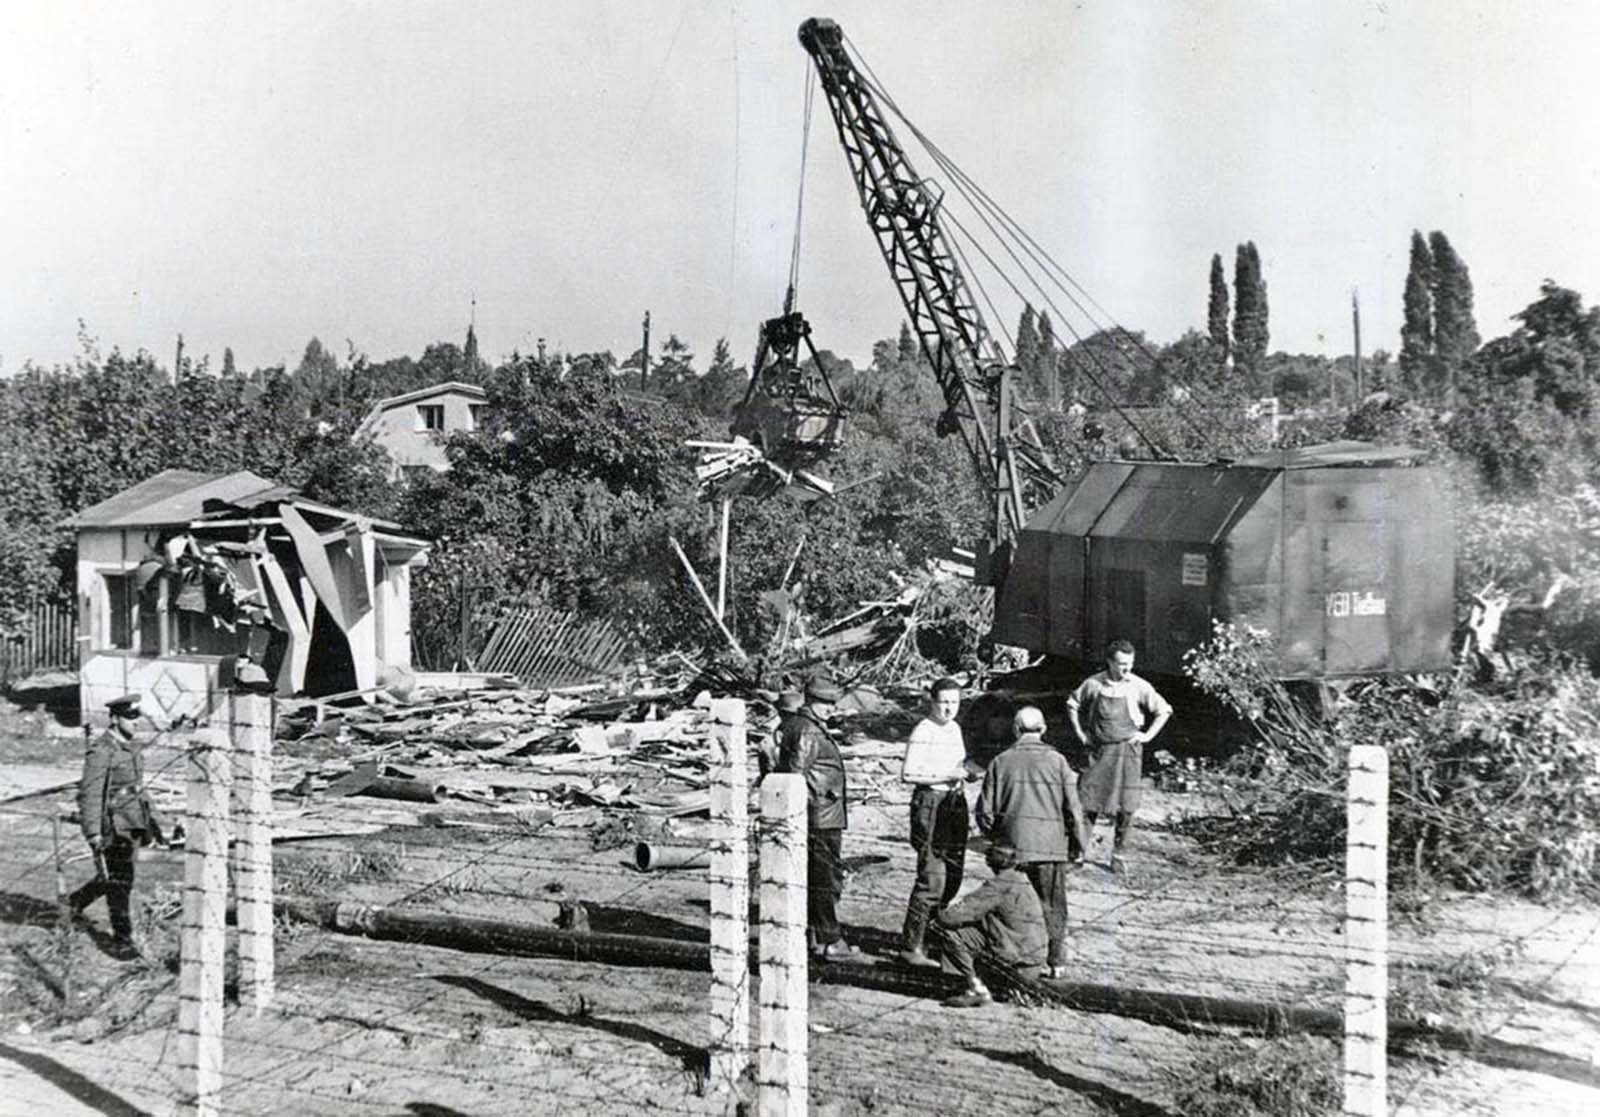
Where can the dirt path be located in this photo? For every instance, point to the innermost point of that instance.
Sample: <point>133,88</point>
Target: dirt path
<point>365,1027</point>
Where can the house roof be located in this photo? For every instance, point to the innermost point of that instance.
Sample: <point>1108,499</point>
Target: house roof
<point>173,496</point>
<point>185,496</point>
<point>458,386</point>
<point>1348,452</point>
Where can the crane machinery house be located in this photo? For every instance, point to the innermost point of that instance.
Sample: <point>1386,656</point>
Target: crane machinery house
<point>1345,552</point>
<point>188,578</point>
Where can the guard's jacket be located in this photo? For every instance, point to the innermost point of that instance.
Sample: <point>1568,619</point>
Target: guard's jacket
<point>112,802</point>
<point>806,747</point>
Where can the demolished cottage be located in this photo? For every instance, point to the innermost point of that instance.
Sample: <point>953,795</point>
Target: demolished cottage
<point>188,577</point>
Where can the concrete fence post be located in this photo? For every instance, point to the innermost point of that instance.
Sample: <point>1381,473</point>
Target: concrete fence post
<point>781,1073</point>
<point>202,933</point>
<point>250,716</point>
<point>730,895</point>
<point>1366,1019</point>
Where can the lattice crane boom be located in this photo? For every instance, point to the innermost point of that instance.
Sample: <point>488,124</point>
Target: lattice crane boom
<point>902,211</point>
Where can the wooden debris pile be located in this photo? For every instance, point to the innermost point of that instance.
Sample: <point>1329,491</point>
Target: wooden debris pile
<point>624,766</point>
<point>740,468</point>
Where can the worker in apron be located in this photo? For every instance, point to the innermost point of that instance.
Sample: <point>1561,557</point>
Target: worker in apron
<point>1114,714</point>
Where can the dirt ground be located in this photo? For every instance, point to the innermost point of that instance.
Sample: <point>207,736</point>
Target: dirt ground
<point>369,1027</point>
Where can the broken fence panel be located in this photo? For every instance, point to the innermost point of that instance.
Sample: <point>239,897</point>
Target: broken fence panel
<point>547,647</point>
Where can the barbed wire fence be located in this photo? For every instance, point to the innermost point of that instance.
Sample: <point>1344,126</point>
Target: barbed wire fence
<point>1169,960</point>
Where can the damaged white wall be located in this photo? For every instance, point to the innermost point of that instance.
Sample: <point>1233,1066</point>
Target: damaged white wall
<point>361,574</point>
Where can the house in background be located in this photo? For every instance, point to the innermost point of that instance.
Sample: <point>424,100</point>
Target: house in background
<point>185,573</point>
<point>413,426</point>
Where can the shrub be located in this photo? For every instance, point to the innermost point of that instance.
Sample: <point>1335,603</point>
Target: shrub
<point>1491,788</point>
<point>1296,1076</point>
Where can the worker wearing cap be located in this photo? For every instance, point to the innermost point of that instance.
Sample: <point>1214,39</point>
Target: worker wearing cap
<point>1108,713</point>
<point>936,767</point>
<point>1029,799</point>
<point>116,817</point>
<point>806,748</point>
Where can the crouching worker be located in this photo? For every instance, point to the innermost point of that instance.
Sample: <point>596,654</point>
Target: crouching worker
<point>1003,922</point>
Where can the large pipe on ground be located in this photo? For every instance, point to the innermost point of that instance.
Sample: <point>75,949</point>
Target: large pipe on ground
<point>1184,1011</point>
<point>649,858</point>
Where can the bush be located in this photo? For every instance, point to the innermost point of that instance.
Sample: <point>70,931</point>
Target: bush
<point>1491,788</point>
<point>1297,1076</point>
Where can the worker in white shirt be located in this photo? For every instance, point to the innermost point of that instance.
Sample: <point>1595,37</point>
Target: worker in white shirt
<point>936,767</point>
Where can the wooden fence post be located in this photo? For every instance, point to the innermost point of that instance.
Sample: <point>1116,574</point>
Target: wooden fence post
<point>1366,930</point>
<point>202,934</point>
<point>250,717</point>
<point>781,1074</point>
<point>730,895</point>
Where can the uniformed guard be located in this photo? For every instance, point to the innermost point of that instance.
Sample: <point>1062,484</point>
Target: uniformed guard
<point>117,818</point>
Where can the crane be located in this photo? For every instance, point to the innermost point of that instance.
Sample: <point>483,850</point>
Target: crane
<point>903,212</point>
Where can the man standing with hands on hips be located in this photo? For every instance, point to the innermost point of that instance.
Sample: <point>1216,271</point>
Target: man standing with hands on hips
<point>1108,713</point>
<point>936,767</point>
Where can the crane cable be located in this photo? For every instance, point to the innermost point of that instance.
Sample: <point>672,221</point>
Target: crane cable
<point>967,187</point>
<point>800,199</point>
<point>1043,259</point>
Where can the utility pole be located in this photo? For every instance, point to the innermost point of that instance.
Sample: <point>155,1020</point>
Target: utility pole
<point>644,365</point>
<point>1355,316</point>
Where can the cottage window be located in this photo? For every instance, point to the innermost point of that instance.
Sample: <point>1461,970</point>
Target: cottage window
<point>477,411</point>
<point>430,416</point>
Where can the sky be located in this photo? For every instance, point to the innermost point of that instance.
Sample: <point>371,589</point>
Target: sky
<point>375,173</point>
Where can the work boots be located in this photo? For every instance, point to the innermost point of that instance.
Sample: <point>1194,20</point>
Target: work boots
<point>911,938</point>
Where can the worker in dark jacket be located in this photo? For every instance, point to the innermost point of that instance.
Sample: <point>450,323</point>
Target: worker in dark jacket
<point>116,816</point>
<point>1029,798</point>
<point>1003,921</point>
<point>805,747</point>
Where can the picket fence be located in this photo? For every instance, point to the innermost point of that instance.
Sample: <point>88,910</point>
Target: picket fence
<point>49,641</point>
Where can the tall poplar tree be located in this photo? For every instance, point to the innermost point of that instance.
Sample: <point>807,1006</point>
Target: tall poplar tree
<point>1416,333</point>
<point>1217,309</point>
<point>1455,334</point>
<point>1027,339</point>
<point>1046,360</point>
<point>1250,333</point>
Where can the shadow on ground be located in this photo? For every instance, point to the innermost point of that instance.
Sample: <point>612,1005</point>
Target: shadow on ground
<point>1106,1098</point>
<point>72,1083</point>
<point>694,1059</point>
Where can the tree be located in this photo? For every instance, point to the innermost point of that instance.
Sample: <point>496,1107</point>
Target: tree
<point>722,387</point>
<point>676,366</point>
<point>907,346</point>
<point>1217,310</point>
<point>1455,334</point>
<point>229,372</point>
<point>1250,333</point>
<point>1027,340</point>
<point>1046,360</point>
<point>318,384</point>
<point>1416,334</point>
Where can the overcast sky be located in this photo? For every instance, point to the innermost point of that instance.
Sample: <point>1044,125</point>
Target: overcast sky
<point>255,174</point>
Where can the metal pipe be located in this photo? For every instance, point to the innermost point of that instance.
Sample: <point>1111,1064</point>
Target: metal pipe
<point>1184,1011</point>
<point>649,858</point>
